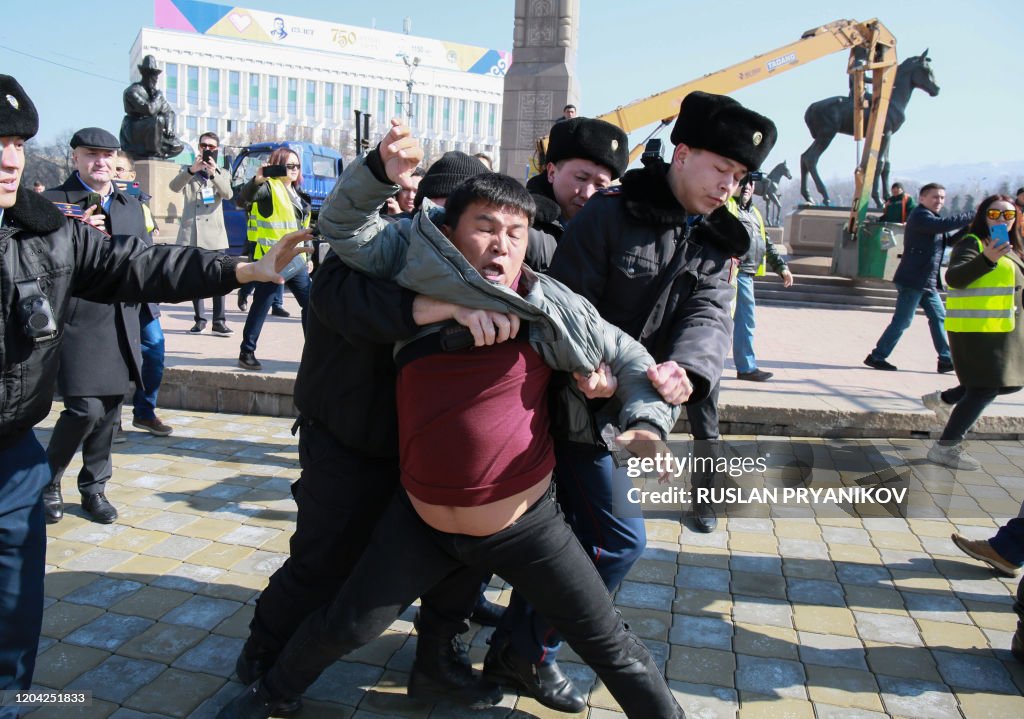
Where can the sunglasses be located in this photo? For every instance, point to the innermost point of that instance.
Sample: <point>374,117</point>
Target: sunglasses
<point>1005,214</point>
<point>207,146</point>
<point>292,166</point>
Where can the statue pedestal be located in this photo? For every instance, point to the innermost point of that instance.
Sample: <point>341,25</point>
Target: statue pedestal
<point>775,236</point>
<point>154,177</point>
<point>814,230</point>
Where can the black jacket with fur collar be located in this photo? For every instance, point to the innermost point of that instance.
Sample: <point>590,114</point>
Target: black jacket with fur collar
<point>65,258</point>
<point>616,253</point>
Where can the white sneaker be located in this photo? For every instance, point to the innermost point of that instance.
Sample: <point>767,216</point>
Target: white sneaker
<point>953,456</point>
<point>935,403</point>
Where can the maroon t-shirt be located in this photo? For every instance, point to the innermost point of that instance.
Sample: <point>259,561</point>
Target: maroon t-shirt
<point>473,425</point>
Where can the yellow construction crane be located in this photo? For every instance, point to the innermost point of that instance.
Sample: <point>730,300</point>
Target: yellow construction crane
<point>872,49</point>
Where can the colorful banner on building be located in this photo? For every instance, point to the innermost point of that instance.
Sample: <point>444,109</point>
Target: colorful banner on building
<point>289,30</point>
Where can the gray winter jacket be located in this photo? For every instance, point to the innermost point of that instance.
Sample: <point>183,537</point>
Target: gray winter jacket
<point>565,329</point>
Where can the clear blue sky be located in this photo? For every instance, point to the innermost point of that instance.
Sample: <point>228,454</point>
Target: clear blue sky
<point>627,50</point>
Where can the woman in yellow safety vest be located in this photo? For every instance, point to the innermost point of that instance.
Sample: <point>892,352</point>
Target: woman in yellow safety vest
<point>984,324</point>
<point>278,206</point>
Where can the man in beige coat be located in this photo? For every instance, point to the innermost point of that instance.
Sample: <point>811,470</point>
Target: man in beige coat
<point>205,186</point>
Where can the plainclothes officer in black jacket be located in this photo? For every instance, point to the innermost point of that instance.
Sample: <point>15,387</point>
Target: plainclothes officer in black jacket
<point>348,448</point>
<point>101,351</point>
<point>45,259</point>
<point>654,256</point>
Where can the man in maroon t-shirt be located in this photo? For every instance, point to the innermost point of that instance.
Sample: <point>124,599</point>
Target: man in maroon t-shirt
<point>481,496</point>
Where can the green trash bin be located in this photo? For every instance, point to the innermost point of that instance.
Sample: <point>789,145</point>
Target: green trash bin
<point>878,249</point>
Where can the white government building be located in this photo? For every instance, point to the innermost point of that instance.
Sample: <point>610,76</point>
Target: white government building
<point>250,75</point>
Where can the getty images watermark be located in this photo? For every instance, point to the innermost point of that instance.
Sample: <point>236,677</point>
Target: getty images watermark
<point>793,478</point>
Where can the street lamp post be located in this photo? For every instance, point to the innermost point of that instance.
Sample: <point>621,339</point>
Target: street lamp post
<point>411,65</point>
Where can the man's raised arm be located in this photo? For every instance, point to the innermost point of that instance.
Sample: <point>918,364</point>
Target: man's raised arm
<point>350,217</point>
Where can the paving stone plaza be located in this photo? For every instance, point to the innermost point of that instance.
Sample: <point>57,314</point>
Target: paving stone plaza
<point>828,616</point>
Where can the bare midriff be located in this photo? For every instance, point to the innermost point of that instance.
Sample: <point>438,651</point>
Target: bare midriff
<point>482,520</point>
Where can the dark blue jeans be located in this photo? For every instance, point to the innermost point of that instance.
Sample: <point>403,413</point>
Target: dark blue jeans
<point>538,554</point>
<point>152,336</point>
<point>588,492</point>
<point>23,474</point>
<point>260,307</point>
<point>907,301</point>
<point>246,290</point>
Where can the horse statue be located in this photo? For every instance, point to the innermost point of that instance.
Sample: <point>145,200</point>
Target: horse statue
<point>826,118</point>
<point>768,188</point>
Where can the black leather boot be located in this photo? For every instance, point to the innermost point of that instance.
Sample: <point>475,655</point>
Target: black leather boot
<point>544,682</point>
<point>255,702</point>
<point>442,670</point>
<point>486,613</point>
<point>704,517</point>
<point>53,503</point>
<point>250,667</point>
<point>99,508</point>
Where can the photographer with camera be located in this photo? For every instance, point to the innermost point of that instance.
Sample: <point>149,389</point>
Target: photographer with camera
<point>46,261</point>
<point>204,187</point>
<point>279,206</point>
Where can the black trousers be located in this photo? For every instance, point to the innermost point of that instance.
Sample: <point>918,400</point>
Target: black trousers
<point>90,422</point>
<point>218,309</point>
<point>970,403</point>
<point>341,495</point>
<point>538,555</point>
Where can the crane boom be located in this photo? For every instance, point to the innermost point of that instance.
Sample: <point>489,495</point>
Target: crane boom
<point>877,54</point>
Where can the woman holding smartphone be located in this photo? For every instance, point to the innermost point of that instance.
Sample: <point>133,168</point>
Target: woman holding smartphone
<point>279,207</point>
<point>984,324</point>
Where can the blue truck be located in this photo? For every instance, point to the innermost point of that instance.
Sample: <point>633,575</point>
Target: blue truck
<point>321,167</point>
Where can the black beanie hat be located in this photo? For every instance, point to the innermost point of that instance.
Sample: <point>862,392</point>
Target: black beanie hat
<point>18,116</point>
<point>722,125</point>
<point>590,139</point>
<point>448,172</point>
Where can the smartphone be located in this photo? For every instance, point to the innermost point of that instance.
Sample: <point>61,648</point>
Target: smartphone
<point>93,198</point>
<point>275,171</point>
<point>294,267</point>
<point>210,156</point>
<point>1000,235</point>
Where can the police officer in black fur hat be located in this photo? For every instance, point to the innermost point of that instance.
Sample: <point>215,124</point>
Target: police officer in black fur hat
<point>47,258</point>
<point>583,156</point>
<point>654,255</point>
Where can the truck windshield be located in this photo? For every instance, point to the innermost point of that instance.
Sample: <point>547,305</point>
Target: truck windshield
<point>247,168</point>
<point>324,166</point>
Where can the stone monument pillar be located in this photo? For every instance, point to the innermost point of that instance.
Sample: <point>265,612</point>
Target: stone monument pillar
<point>542,79</point>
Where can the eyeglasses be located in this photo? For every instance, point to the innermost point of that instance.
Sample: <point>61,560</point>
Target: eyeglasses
<point>1005,214</point>
<point>207,146</point>
<point>292,166</point>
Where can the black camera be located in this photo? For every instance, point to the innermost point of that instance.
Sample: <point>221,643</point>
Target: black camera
<point>34,311</point>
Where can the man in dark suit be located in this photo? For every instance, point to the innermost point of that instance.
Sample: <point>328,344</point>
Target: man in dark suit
<point>101,350</point>
<point>917,278</point>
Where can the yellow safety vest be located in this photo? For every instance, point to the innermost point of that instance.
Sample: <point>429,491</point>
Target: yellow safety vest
<point>985,305</point>
<point>734,208</point>
<point>280,222</point>
<point>148,214</point>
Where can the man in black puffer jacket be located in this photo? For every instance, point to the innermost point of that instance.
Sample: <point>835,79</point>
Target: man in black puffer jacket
<point>655,257</point>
